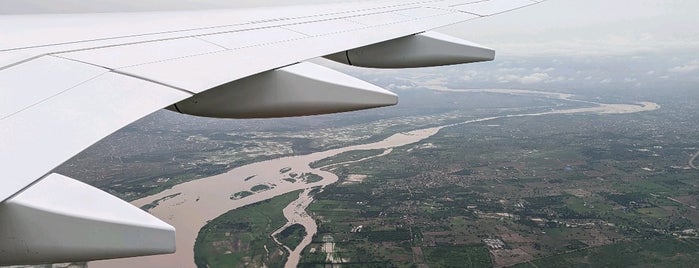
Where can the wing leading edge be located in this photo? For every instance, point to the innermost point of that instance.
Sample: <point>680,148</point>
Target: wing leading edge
<point>69,81</point>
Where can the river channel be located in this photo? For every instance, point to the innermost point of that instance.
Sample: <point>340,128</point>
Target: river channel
<point>199,201</point>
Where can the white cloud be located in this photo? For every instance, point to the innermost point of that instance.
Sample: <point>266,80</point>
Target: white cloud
<point>545,70</point>
<point>511,70</point>
<point>690,67</point>
<point>399,87</point>
<point>469,75</point>
<point>534,78</point>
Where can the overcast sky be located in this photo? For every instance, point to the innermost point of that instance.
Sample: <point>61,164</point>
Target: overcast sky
<point>590,27</point>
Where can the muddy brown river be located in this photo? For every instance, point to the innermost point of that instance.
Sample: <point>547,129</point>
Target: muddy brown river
<point>205,199</point>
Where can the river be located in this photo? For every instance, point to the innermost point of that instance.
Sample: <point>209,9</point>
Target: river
<point>205,199</point>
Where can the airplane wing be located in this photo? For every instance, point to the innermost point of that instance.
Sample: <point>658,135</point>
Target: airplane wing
<point>69,80</point>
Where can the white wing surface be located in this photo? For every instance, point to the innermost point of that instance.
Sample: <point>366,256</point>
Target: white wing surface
<point>69,80</point>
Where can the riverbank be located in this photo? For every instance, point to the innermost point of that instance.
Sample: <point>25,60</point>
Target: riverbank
<point>199,201</point>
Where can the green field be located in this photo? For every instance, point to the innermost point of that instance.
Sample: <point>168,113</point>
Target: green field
<point>292,235</point>
<point>240,238</point>
<point>643,253</point>
<point>457,256</point>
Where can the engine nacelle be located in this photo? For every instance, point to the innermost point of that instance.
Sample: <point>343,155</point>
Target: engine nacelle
<point>422,50</point>
<point>296,90</point>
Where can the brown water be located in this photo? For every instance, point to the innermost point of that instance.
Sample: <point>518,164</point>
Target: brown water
<point>205,199</point>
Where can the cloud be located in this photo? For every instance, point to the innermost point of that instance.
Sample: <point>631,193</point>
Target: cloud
<point>511,70</point>
<point>546,70</point>
<point>399,87</point>
<point>690,67</point>
<point>534,78</point>
<point>469,75</point>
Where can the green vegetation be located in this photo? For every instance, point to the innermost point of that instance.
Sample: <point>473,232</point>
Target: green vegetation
<point>346,157</point>
<point>260,188</point>
<point>241,194</point>
<point>292,235</point>
<point>457,256</point>
<point>642,253</point>
<point>310,177</point>
<point>157,201</point>
<point>554,192</point>
<point>399,234</point>
<point>239,237</point>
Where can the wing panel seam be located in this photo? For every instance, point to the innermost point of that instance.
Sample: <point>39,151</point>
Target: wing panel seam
<point>236,31</point>
<point>207,41</point>
<point>364,27</point>
<point>153,81</point>
<point>125,74</point>
<point>204,28</point>
<point>56,94</point>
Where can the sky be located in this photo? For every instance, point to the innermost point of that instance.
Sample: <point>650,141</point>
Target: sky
<point>590,28</point>
<point>612,43</point>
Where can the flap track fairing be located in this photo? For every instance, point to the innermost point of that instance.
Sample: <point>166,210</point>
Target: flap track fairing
<point>297,90</point>
<point>427,49</point>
